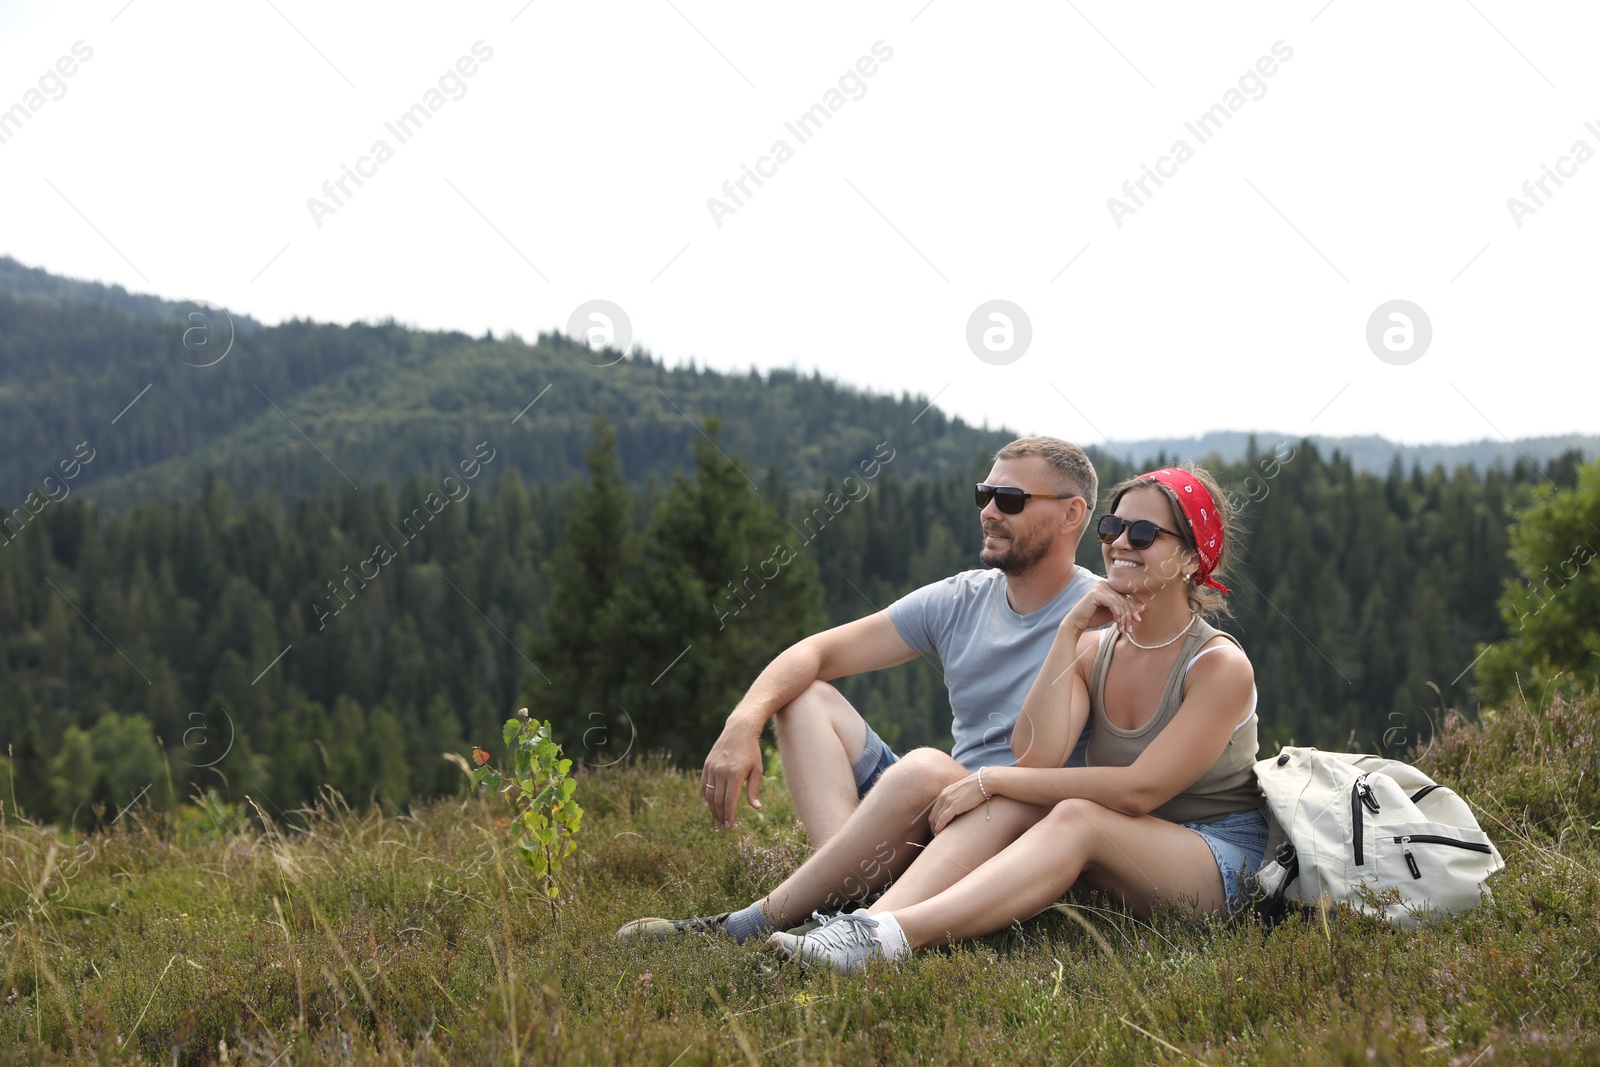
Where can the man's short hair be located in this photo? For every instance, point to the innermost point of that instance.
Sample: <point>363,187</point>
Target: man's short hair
<point>1069,463</point>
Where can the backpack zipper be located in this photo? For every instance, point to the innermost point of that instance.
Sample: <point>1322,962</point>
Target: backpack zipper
<point>1360,793</point>
<point>1432,839</point>
<point>1424,791</point>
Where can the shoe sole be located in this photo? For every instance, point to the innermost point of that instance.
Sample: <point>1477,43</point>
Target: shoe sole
<point>657,929</point>
<point>651,929</point>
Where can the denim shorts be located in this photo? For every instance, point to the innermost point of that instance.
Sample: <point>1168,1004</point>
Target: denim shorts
<point>1239,842</point>
<point>876,758</point>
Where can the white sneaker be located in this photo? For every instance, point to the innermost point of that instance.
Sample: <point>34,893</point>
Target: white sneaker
<point>844,942</point>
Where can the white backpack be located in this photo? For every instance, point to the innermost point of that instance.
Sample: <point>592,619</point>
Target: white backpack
<point>1355,829</point>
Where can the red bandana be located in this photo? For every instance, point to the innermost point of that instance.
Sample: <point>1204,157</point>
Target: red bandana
<point>1204,522</point>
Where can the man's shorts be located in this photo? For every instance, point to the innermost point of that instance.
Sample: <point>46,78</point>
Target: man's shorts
<point>876,758</point>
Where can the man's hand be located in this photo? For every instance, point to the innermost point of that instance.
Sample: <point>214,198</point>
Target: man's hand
<point>733,761</point>
<point>957,799</point>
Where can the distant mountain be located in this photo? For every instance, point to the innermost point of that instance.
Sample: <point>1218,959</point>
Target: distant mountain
<point>18,280</point>
<point>158,398</point>
<point>87,370</point>
<point>1367,453</point>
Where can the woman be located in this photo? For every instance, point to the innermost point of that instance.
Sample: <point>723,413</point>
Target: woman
<point>1168,808</point>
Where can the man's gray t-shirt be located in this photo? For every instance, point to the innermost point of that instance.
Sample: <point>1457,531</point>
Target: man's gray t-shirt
<point>989,653</point>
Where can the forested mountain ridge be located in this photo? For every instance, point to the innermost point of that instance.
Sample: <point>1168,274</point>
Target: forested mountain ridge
<point>276,646</point>
<point>82,362</point>
<point>305,406</point>
<point>1371,453</point>
<point>31,282</point>
<point>269,545</point>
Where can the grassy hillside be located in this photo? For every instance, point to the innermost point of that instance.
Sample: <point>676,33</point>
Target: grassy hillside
<point>370,937</point>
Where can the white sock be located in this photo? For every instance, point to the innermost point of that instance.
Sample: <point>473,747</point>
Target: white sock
<point>891,938</point>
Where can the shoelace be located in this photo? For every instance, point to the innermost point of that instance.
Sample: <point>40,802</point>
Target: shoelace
<point>843,930</point>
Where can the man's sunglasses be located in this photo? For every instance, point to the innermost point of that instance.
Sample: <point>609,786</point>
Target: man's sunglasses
<point>1142,533</point>
<point>1010,499</point>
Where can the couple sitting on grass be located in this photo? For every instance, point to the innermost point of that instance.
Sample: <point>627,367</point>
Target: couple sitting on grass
<point>1105,733</point>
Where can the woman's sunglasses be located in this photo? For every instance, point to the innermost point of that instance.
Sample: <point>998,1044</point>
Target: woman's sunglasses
<point>1010,499</point>
<point>1142,533</point>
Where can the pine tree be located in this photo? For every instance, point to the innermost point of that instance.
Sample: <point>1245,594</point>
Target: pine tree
<point>581,656</point>
<point>30,776</point>
<point>723,587</point>
<point>1552,607</point>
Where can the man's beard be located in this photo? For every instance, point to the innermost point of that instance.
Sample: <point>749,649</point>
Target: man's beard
<point>1021,557</point>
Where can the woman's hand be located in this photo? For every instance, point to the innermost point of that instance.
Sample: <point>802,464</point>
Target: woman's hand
<point>1102,605</point>
<point>955,800</point>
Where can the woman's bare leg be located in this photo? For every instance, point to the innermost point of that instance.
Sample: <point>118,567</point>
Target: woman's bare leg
<point>960,849</point>
<point>1143,858</point>
<point>879,840</point>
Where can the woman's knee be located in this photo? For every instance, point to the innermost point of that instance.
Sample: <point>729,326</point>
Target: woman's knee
<point>1077,817</point>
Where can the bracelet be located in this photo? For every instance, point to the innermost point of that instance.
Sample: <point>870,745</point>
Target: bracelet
<point>981,789</point>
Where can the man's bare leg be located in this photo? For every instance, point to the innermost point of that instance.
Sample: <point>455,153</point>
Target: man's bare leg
<point>861,844</point>
<point>820,736</point>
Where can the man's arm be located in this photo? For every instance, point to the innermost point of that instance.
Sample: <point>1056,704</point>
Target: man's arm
<point>734,762</point>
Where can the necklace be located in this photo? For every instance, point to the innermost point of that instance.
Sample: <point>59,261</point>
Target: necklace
<point>1193,616</point>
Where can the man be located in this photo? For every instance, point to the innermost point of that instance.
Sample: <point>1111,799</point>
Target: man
<point>865,809</point>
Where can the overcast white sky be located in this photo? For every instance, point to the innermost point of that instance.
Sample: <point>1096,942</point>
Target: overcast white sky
<point>973,164</point>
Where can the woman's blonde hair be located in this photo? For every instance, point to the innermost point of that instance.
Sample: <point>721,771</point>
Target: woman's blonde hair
<point>1202,598</point>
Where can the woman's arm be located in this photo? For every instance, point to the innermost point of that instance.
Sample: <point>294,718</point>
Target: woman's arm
<point>1057,706</point>
<point>1218,692</point>
<point>1217,696</point>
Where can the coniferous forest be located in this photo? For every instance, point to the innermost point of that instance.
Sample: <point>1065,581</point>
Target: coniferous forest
<point>339,557</point>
